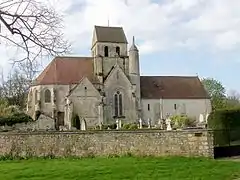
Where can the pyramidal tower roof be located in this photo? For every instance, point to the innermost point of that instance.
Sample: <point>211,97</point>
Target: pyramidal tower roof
<point>110,34</point>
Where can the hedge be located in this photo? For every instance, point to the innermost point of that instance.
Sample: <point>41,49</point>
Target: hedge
<point>14,119</point>
<point>224,119</point>
<point>226,126</point>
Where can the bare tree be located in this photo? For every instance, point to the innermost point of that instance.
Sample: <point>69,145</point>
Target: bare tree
<point>29,69</point>
<point>233,99</point>
<point>33,27</point>
<point>15,88</point>
<point>233,94</point>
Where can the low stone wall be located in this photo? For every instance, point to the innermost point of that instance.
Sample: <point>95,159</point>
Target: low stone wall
<point>104,143</point>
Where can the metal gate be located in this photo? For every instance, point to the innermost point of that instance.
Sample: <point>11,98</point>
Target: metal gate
<point>226,142</point>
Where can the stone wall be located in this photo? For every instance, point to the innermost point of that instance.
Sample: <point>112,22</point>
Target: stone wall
<point>104,143</point>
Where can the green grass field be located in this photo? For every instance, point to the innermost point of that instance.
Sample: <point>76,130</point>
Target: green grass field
<point>120,168</point>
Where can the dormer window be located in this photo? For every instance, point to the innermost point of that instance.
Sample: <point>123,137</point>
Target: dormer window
<point>106,51</point>
<point>118,50</point>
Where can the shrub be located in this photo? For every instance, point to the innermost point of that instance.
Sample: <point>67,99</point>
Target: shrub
<point>224,119</point>
<point>126,126</point>
<point>133,126</point>
<point>226,125</point>
<point>181,121</point>
<point>6,110</point>
<point>191,122</point>
<point>15,118</point>
<point>113,126</point>
<point>104,127</point>
<point>130,126</point>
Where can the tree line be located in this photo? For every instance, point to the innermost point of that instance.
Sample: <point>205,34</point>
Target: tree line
<point>220,99</point>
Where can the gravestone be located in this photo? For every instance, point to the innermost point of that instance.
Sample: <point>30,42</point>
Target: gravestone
<point>117,122</point>
<point>120,123</point>
<point>201,118</point>
<point>207,117</point>
<point>149,123</point>
<point>168,122</point>
<point>140,123</point>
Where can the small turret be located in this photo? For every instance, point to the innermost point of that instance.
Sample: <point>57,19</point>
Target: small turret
<point>133,47</point>
<point>133,59</point>
<point>134,74</point>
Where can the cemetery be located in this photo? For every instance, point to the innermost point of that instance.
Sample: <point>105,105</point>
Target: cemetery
<point>101,90</point>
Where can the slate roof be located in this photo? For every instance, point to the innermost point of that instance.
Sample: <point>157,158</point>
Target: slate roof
<point>110,34</point>
<point>172,87</point>
<point>70,70</point>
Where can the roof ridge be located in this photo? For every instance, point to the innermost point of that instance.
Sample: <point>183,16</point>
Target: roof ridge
<point>109,26</point>
<point>168,76</point>
<point>73,57</point>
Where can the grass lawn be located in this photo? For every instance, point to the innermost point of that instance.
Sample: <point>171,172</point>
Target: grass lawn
<point>169,168</point>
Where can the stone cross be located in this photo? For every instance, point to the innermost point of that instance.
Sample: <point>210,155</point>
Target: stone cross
<point>120,123</point>
<point>168,122</point>
<point>149,123</point>
<point>140,123</point>
<point>101,126</point>
<point>160,123</point>
<point>207,117</point>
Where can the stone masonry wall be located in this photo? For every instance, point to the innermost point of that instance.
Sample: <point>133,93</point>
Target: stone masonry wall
<point>104,143</point>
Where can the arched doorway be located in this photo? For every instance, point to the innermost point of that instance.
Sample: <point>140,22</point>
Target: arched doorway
<point>79,123</point>
<point>76,122</point>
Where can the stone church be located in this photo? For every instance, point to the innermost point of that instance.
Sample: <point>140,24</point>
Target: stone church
<point>107,86</point>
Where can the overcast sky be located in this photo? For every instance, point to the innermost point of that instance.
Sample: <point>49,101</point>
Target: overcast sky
<point>175,37</point>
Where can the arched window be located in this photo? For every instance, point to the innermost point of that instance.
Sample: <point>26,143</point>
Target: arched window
<point>118,104</point>
<point>47,96</point>
<point>106,51</point>
<point>118,50</point>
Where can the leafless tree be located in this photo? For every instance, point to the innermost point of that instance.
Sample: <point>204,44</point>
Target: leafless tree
<point>15,88</point>
<point>29,69</point>
<point>33,27</point>
<point>233,94</point>
<point>233,99</point>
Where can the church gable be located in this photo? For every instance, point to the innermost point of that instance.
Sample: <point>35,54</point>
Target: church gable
<point>117,78</point>
<point>119,95</point>
<point>84,89</point>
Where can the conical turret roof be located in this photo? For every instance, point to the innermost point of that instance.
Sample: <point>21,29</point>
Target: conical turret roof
<point>133,47</point>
